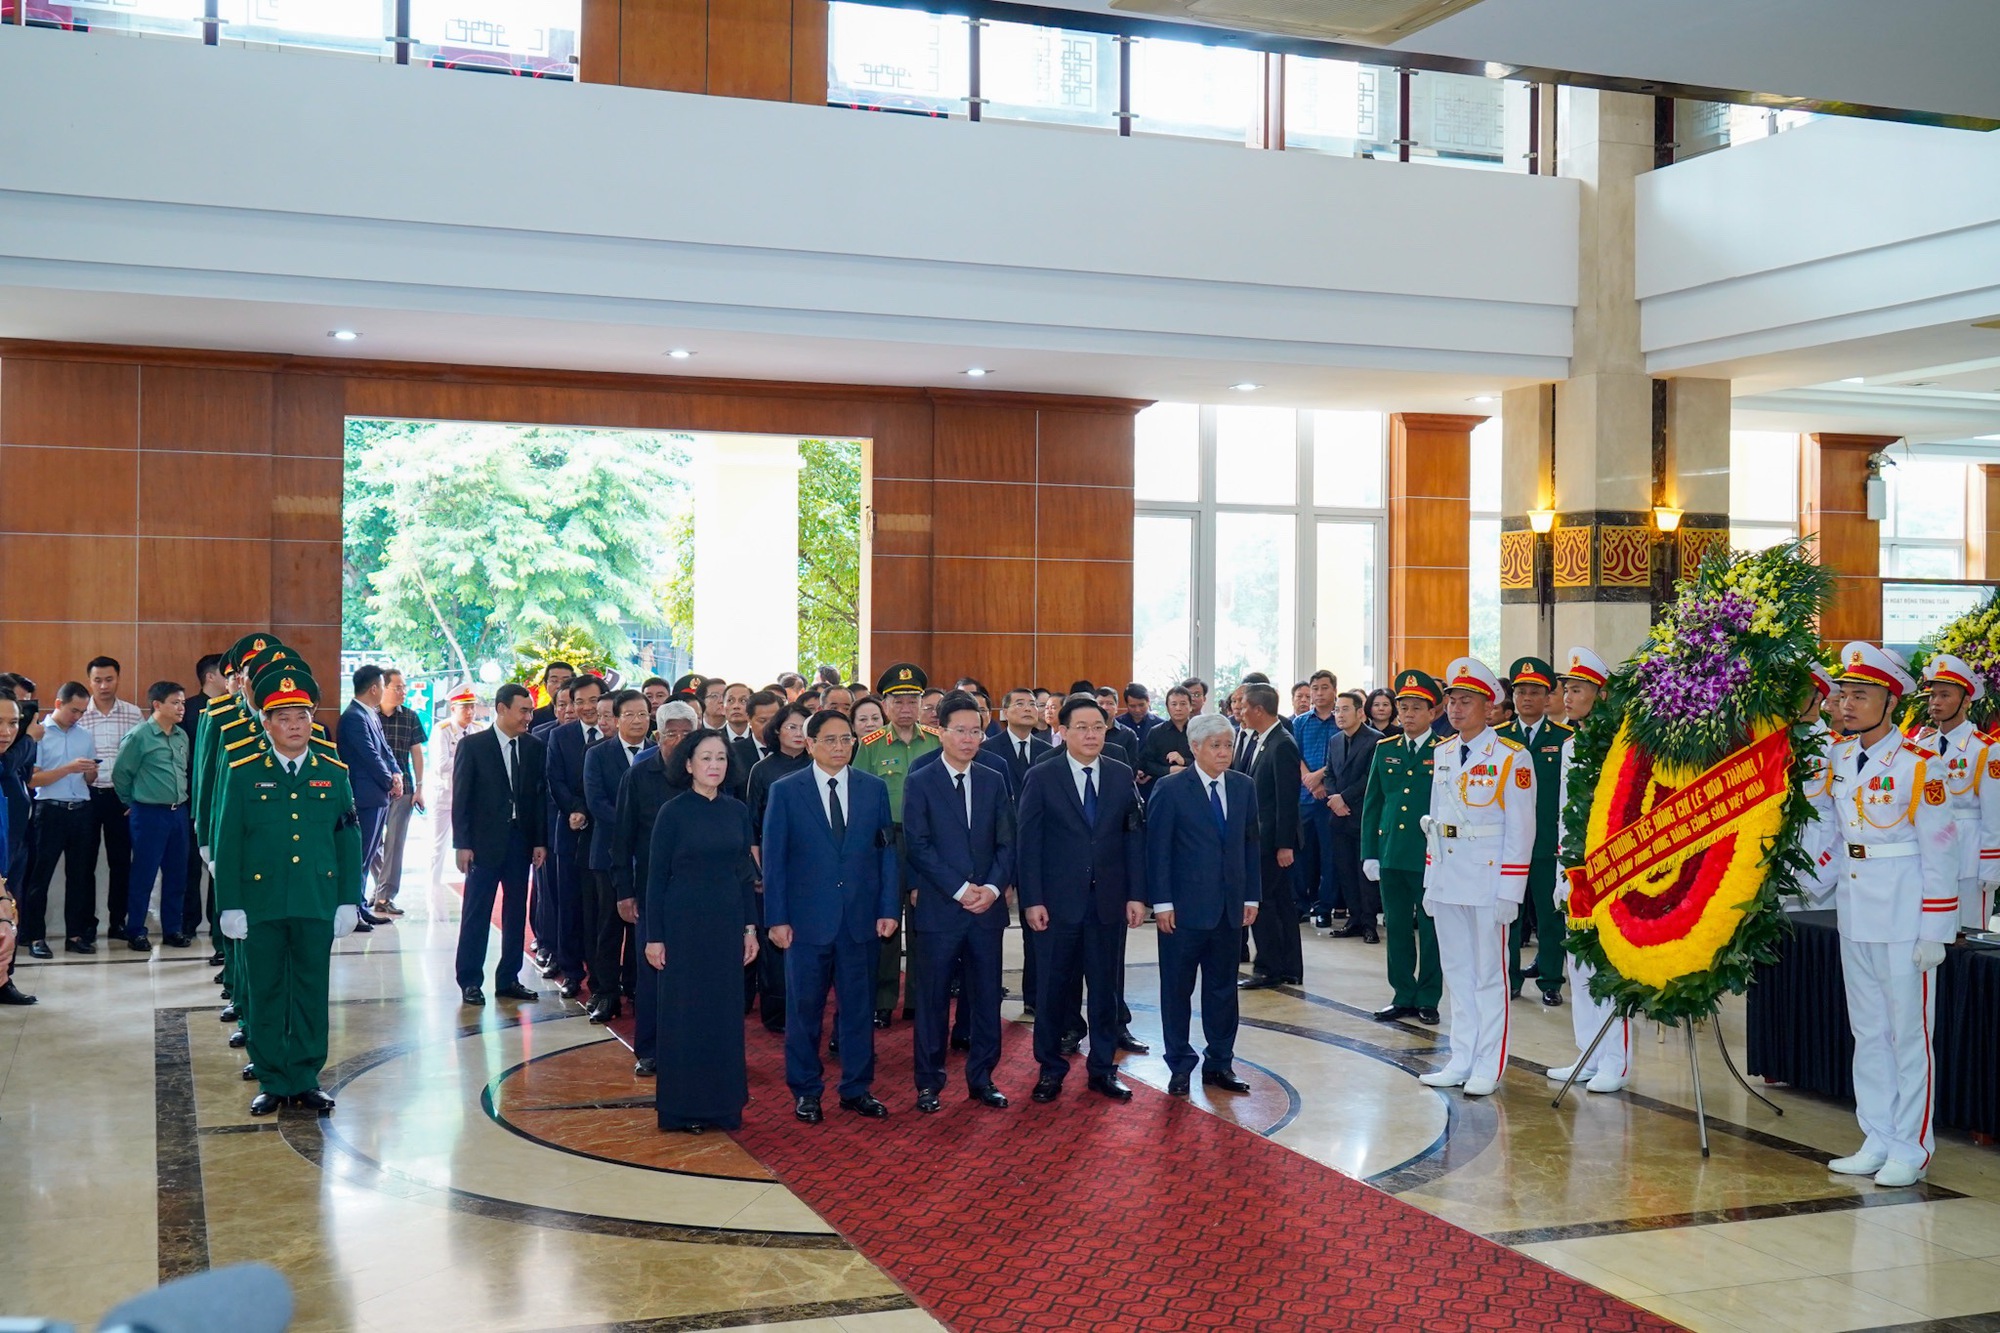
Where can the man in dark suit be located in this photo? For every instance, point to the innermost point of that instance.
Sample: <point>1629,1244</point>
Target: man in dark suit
<point>642,790</point>
<point>958,830</point>
<point>568,743</point>
<point>1017,741</point>
<point>498,792</point>
<point>604,929</point>
<point>1081,862</point>
<point>1202,860</point>
<point>371,765</point>
<point>542,884</point>
<point>1350,753</point>
<point>1275,770</point>
<point>554,676</point>
<point>831,895</point>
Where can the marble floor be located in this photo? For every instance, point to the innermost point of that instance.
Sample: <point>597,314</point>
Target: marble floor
<point>498,1168</point>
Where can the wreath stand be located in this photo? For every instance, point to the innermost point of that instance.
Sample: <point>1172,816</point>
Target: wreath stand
<point>1714,1020</point>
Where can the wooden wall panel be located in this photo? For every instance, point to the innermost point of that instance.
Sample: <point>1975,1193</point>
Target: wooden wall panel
<point>983,518</point>
<point>204,495</point>
<point>809,52</point>
<point>1430,485</point>
<point>193,578</point>
<point>77,403</point>
<point>58,578</point>
<point>902,513</point>
<point>901,590</point>
<point>1083,523</point>
<point>68,490</point>
<point>985,444</point>
<point>205,411</point>
<point>1834,509</point>
<point>750,49</point>
<point>769,49</point>
<point>663,44</point>
<point>982,596</point>
<point>1083,597</point>
<point>1085,449</point>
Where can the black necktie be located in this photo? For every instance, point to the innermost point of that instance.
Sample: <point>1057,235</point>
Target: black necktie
<point>590,736</point>
<point>631,754</point>
<point>959,778</point>
<point>514,772</point>
<point>835,820</point>
<point>1860,761</point>
<point>1464,754</point>
<point>1089,798</point>
<point>1024,752</point>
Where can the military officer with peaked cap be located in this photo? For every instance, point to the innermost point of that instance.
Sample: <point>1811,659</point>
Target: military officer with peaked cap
<point>1392,849</point>
<point>1532,682</point>
<point>1971,780</point>
<point>287,883</point>
<point>889,754</point>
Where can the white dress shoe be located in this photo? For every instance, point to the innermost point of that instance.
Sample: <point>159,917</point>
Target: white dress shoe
<point>1896,1175</point>
<point>1861,1164</point>
<point>1480,1087</point>
<point>1562,1075</point>
<point>1609,1082</point>
<point>1443,1078</point>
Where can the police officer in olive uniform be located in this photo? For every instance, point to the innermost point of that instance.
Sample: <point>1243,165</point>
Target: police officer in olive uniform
<point>1532,682</point>
<point>1392,849</point>
<point>288,883</point>
<point>889,754</point>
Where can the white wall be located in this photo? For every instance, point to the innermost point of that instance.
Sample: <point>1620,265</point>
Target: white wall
<point>159,167</point>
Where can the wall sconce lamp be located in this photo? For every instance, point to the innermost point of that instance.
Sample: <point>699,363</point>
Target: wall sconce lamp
<point>1667,517</point>
<point>1541,520</point>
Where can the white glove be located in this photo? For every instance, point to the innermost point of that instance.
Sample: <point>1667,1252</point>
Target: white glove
<point>345,918</point>
<point>1505,911</point>
<point>235,924</point>
<point>1927,955</point>
<point>1372,869</point>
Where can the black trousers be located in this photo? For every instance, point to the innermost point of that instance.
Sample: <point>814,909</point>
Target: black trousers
<point>66,833</point>
<point>603,935</point>
<point>770,967</point>
<point>935,951</point>
<point>1276,929</point>
<point>1087,953</point>
<point>114,826</point>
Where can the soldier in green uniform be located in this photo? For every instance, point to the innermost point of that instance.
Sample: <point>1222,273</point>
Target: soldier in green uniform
<point>287,883</point>
<point>1392,849</point>
<point>1533,681</point>
<point>888,754</point>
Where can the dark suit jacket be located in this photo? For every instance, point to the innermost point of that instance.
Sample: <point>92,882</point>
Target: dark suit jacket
<point>980,759</point>
<point>1206,873</point>
<point>371,764</point>
<point>604,767</point>
<point>483,808</point>
<point>1004,748</point>
<point>1114,748</point>
<point>822,888</point>
<point>1072,867</point>
<point>945,854</point>
<point>566,750</point>
<point>1349,776</point>
<point>642,790</point>
<point>1162,741</point>
<point>1276,773</point>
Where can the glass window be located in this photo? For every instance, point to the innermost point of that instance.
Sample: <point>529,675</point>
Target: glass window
<point>1764,477</point>
<point>1204,92</point>
<point>1048,74</point>
<point>1458,120</point>
<point>1347,460</point>
<point>1758,536</point>
<point>1483,573</point>
<point>1256,455</point>
<point>1163,599</point>
<point>1345,590</point>
<point>1256,595</point>
<point>1168,465</point>
<point>1486,468</point>
<point>1924,562</point>
<point>897,60</point>
<point>536,37</point>
<point>139,18</point>
<point>357,26</point>
<point>1926,499</point>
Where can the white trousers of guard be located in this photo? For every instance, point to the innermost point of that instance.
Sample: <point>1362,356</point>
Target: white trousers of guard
<point>1472,951</point>
<point>1892,1009</point>
<point>1972,896</point>
<point>444,861</point>
<point>1586,1016</point>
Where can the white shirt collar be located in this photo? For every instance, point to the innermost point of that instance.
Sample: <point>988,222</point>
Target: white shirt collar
<point>954,768</point>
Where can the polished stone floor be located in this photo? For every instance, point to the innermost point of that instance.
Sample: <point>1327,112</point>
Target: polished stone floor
<point>498,1168</point>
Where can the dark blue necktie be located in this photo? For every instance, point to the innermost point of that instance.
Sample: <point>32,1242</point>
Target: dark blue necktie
<point>1089,798</point>
<point>1215,805</point>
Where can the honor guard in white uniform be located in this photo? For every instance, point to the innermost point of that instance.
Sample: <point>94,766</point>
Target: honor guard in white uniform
<point>1895,873</point>
<point>1610,1067</point>
<point>1971,781</point>
<point>1822,837</point>
<point>1479,835</point>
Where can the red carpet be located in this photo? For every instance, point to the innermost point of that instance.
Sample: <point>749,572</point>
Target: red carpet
<point>1151,1215</point>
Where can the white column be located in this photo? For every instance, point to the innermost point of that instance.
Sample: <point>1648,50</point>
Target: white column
<point>746,556</point>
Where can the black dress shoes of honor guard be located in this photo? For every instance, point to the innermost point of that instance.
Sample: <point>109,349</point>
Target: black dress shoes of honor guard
<point>1131,1045</point>
<point>40,949</point>
<point>1177,1086</point>
<point>571,989</point>
<point>238,1039</point>
<point>264,1103</point>
<point>989,1096</point>
<point>514,993</point>
<point>12,994</point>
<point>928,1101</point>
<point>1369,936</point>
<point>1228,1082</point>
<point>312,1099</point>
<point>1109,1085</point>
<point>645,1067</point>
<point>1552,998</point>
<point>1394,1012</point>
<point>865,1105</point>
<point>250,1073</point>
<point>217,960</point>
<point>472,995</point>
<point>808,1110</point>
<point>1429,1016</point>
<point>1047,1089</point>
<point>228,1014</point>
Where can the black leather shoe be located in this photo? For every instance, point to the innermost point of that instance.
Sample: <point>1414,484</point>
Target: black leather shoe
<point>363,928</point>
<point>368,918</point>
<point>249,1073</point>
<point>314,1100</point>
<point>40,949</point>
<point>961,1043</point>
<point>1047,1089</point>
<point>571,989</point>
<point>989,1096</point>
<point>865,1105</point>
<point>1553,999</point>
<point>238,1039</point>
<point>645,1067</point>
<point>605,1012</point>
<point>514,993</point>
<point>1177,1086</point>
<point>264,1103</point>
<point>228,1014</point>
<point>927,1102</point>
<point>79,946</point>
<point>1257,982</point>
<point>1394,1012</point>
<point>1131,1045</point>
<point>217,960</point>
<point>110,933</point>
<point>139,944</point>
<point>1227,1082</point>
<point>179,941</point>
<point>884,1017</point>
<point>472,995</point>
<point>1072,1043</point>
<point>1109,1085</point>
<point>220,977</point>
<point>12,994</point>
<point>227,995</point>
<point>1369,936</point>
<point>1351,931</point>
<point>808,1110</point>
<point>1429,1016</point>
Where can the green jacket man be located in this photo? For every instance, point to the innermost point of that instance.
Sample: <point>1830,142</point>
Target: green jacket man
<point>287,850</point>
<point>1533,683</point>
<point>1392,849</point>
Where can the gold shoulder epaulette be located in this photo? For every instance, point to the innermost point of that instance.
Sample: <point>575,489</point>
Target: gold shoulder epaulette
<point>874,736</point>
<point>1511,743</point>
<point>1563,726</point>
<point>321,740</point>
<point>234,723</point>
<point>329,759</point>
<point>928,729</point>
<point>1917,749</point>
<point>247,740</point>
<point>246,759</point>
<point>1390,740</point>
<point>221,703</point>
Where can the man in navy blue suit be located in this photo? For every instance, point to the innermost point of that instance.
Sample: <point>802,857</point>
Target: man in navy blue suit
<point>958,830</point>
<point>605,928</point>
<point>568,743</point>
<point>371,765</point>
<point>1201,860</point>
<point>1081,861</point>
<point>831,895</point>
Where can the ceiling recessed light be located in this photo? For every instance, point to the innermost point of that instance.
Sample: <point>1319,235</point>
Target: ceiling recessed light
<point>343,335</point>
<point>1483,398</point>
<point>1986,437</point>
<point>1854,379</point>
<point>680,354</point>
<point>978,372</point>
<point>1246,387</point>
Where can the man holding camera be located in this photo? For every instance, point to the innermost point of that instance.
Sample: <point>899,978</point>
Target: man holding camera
<point>65,829</point>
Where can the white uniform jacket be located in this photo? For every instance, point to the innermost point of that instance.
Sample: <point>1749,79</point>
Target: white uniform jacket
<point>1481,829</point>
<point>1972,794</point>
<point>1894,845</point>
